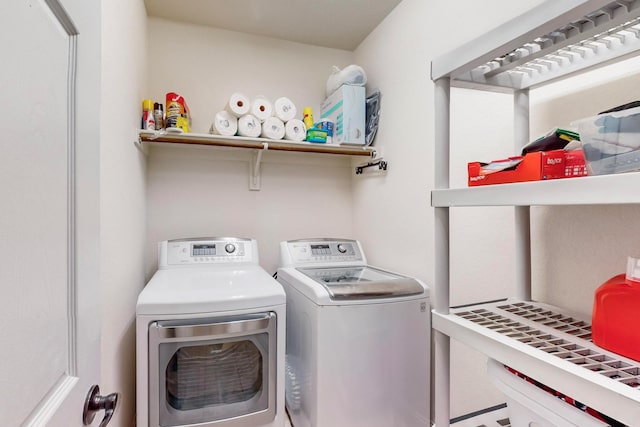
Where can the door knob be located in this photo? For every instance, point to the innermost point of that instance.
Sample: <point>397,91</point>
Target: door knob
<point>94,403</point>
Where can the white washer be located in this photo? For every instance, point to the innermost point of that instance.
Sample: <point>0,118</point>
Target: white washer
<point>358,339</point>
<point>210,331</point>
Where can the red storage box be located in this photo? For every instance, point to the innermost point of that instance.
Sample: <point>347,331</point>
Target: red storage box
<point>530,167</point>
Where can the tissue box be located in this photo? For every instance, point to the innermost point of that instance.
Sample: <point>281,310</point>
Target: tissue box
<point>346,109</point>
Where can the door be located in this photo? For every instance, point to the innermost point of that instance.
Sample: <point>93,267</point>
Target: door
<point>213,371</point>
<point>49,216</point>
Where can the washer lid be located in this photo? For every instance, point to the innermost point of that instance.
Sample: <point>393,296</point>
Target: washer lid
<point>218,289</point>
<point>362,282</point>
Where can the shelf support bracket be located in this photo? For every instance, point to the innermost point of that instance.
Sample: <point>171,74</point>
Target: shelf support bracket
<point>140,146</point>
<point>255,177</point>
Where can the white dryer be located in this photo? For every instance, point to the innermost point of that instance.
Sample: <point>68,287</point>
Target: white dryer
<point>358,339</point>
<point>210,330</point>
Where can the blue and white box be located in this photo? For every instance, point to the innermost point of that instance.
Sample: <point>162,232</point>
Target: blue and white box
<point>346,109</point>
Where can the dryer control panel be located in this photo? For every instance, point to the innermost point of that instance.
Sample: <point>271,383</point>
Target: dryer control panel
<point>206,251</point>
<point>317,251</point>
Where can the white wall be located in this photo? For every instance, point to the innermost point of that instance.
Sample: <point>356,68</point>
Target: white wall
<point>206,65</point>
<point>122,197</point>
<point>395,220</point>
<point>581,247</point>
<point>204,192</point>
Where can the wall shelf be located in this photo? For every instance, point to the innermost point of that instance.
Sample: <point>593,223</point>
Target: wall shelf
<point>536,337</point>
<point>549,42</point>
<point>588,190</point>
<point>552,41</point>
<point>252,143</point>
<point>257,145</point>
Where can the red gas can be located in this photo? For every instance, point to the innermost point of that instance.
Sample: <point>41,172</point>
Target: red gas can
<point>616,313</point>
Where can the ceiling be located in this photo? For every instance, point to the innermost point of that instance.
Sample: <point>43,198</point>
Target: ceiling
<point>339,24</point>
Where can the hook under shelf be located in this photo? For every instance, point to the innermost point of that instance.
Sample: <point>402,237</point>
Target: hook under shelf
<point>382,165</point>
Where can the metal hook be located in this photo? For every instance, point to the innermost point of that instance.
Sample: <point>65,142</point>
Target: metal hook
<point>382,165</point>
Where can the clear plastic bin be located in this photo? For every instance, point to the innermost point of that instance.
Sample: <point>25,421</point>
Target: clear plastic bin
<point>611,142</point>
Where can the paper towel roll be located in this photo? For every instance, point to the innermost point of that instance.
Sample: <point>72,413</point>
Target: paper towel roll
<point>224,123</point>
<point>295,130</point>
<point>238,104</point>
<point>249,125</point>
<point>284,109</point>
<point>261,108</point>
<point>272,128</point>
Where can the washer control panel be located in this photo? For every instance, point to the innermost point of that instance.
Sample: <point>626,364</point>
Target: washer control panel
<point>300,252</point>
<point>207,251</point>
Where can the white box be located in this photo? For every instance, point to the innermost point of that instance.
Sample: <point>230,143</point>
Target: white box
<point>346,109</point>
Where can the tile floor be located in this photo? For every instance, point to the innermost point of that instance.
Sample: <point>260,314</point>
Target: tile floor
<point>496,418</point>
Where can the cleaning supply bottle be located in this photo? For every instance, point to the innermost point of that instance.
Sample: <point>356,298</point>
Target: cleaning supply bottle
<point>148,122</point>
<point>307,117</point>
<point>158,115</point>
<point>616,317</point>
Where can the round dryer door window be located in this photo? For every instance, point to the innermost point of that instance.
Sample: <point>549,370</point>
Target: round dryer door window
<point>214,374</point>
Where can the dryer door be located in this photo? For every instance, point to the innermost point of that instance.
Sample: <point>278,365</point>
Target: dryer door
<point>213,372</point>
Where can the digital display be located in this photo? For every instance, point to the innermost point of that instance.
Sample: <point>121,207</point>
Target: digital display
<point>203,250</point>
<point>320,250</point>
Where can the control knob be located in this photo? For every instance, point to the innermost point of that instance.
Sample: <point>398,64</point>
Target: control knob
<point>230,248</point>
<point>342,248</point>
